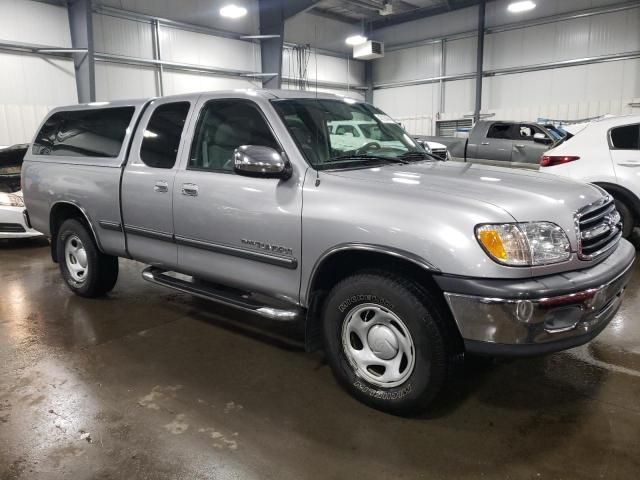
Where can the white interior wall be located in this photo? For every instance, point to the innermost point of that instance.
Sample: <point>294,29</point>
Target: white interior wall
<point>345,71</point>
<point>562,93</point>
<point>30,85</point>
<point>134,38</point>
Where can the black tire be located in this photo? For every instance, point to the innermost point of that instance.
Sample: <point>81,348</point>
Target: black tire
<point>101,272</point>
<point>425,318</point>
<point>628,218</point>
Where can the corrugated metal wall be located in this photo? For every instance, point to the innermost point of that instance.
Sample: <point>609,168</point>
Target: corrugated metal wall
<point>134,38</point>
<point>564,93</point>
<point>347,72</point>
<point>30,85</point>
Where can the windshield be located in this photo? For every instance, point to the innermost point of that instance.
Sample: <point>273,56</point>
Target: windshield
<point>341,134</point>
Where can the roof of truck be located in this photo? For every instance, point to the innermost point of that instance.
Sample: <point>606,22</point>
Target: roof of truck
<point>244,92</point>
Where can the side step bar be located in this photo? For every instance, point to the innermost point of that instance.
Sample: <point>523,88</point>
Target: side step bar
<point>229,298</point>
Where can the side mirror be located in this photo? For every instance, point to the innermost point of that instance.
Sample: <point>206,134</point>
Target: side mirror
<point>542,138</point>
<point>258,161</point>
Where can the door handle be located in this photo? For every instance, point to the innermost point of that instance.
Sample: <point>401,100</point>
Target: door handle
<point>161,187</point>
<point>520,146</point>
<point>190,189</point>
<point>630,163</point>
<point>484,143</point>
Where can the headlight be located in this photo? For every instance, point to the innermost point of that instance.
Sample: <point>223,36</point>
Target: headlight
<point>448,155</point>
<point>11,200</point>
<point>524,244</point>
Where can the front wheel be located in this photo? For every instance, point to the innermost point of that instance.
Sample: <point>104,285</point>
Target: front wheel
<point>627,216</point>
<point>386,342</point>
<point>86,270</point>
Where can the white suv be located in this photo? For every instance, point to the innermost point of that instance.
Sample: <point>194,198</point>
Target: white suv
<point>606,152</point>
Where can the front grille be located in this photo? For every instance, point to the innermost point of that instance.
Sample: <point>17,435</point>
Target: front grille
<point>599,228</point>
<point>441,153</point>
<point>11,228</point>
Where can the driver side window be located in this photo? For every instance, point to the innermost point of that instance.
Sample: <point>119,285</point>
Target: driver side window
<point>223,126</point>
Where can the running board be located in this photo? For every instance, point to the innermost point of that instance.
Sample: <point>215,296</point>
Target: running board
<point>230,298</point>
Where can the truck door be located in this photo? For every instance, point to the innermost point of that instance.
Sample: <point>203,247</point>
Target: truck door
<point>527,152</point>
<point>495,148</point>
<point>233,229</point>
<point>147,183</point>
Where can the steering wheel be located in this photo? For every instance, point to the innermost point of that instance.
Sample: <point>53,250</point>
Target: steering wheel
<point>368,146</point>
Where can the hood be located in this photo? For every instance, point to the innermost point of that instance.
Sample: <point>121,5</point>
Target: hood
<point>525,195</point>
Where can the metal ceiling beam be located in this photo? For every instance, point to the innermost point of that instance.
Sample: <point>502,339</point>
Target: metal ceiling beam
<point>421,13</point>
<point>293,7</point>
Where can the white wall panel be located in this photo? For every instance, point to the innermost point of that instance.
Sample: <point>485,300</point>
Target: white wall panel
<point>604,34</point>
<point>122,37</point>
<point>183,82</point>
<point>197,12</point>
<point>29,87</point>
<point>34,22</point>
<point>414,106</point>
<point>567,93</point>
<point>408,64</point>
<point>119,82</point>
<point>201,49</point>
<point>325,68</point>
<point>460,56</point>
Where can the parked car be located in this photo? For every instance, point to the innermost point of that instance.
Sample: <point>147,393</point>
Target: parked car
<point>14,222</point>
<point>606,152</point>
<point>395,262</point>
<point>502,143</point>
<point>437,149</point>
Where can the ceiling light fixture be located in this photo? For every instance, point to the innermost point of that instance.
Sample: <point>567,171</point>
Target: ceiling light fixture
<point>355,40</point>
<point>517,7</point>
<point>233,11</point>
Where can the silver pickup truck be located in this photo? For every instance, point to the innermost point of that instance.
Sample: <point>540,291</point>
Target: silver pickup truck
<point>396,263</point>
<point>503,143</point>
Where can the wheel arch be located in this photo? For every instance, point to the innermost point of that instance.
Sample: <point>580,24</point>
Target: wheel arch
<point>64,210</point>
<point>622,192</point>
<point>343,260</point>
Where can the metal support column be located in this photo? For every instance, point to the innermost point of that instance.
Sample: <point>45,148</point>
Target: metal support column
<point>480,59</point>
<point>81,26</point>
<point>272,23</point>
<point>157,55</point>
<point>368,81</point>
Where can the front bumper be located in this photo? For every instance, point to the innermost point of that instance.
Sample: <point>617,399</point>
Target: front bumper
<point>14,223</point>
<point>539,315</point>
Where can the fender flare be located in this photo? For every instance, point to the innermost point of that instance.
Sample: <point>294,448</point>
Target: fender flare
<point>86,218</point>
<point>366,247</point>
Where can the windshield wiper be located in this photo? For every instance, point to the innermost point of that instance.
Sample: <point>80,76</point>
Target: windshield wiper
<point>417,156</point>
<point>366,157</point>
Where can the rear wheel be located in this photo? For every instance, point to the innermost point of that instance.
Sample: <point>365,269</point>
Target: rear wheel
<point>86,271</point>
<point>387,342</point>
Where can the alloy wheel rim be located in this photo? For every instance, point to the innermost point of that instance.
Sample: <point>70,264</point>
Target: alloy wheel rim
<point>76,258</point>
<point>378,345</point>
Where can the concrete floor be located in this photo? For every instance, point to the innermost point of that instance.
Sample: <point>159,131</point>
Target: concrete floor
<point>148,383</point>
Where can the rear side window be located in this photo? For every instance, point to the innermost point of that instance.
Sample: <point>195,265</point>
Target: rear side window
<point>500,130</point>
<point>626,138</point>
<point>84,133</point>
<point>161,138</point>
